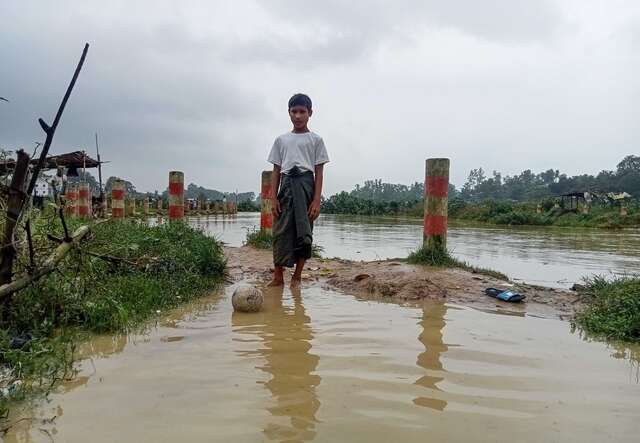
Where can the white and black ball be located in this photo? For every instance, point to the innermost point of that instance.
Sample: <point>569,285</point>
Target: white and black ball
<point>247,299</point>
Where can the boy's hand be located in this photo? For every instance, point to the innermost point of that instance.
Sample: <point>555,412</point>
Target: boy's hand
<point>314,209</point>
<point>275,207</point>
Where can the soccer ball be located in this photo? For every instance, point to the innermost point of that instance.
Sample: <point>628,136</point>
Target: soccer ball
<point>247,299</point>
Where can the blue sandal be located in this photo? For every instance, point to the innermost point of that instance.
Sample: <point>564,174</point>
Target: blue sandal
<point>504,295</point>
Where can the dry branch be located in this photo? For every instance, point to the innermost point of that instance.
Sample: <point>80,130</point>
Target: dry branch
<point>47,267</point>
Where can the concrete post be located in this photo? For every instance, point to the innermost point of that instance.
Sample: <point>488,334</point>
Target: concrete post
<point>145,206</point>
<point>176,195</point>
<point>71,196</point>
<point>585,209</point>
<point>159,206</point>
<point>539,209</point>
<point>84,200</point>
<point>117,199</point>
<point>623,210</point>
<point>131,207</point>
<point>266,217</point>
<point>436,188</point>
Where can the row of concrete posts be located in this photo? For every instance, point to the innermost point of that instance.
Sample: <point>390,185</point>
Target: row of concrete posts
<point>436,203</point>
<point>178,206</point>
<point>78,201</point>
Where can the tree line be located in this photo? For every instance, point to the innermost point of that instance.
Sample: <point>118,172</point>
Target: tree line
<point>375,197</point>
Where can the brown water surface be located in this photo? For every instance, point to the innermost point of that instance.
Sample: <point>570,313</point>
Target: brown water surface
<point>547,256</point>
<point>325,367</point>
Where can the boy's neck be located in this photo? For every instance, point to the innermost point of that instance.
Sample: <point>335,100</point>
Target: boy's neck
<point>300,131</point>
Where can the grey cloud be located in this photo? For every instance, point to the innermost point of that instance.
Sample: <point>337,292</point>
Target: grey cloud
<point>202,86</point>
<point>336,31</point>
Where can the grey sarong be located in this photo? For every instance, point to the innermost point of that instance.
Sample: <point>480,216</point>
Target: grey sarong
<point>292,230</point>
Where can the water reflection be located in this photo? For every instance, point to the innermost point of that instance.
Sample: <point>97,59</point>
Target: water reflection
<point>432,323</point>
<point>286,335</point>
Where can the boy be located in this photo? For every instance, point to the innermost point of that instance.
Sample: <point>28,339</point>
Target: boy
<point>298,159</point>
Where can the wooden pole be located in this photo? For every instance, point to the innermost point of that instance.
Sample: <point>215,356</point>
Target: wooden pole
<point>176,195</point>
<point>266,217</point>
<point>15,203</point>
<point>436,203</point>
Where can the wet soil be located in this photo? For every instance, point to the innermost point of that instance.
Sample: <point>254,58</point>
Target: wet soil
<point>400,281</point>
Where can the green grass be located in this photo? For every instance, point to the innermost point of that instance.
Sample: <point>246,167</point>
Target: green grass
<point>524,214</point>
<point>263,240</point>
<point>123,275</point>
<point>611,308</point>
<point>259,239</point>
<point>443,258</point>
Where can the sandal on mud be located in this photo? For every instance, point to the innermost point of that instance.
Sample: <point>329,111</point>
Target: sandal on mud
<point>504,295</point>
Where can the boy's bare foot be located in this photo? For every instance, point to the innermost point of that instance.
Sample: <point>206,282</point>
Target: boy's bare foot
<point>275,283</point>
<point>296,283</point>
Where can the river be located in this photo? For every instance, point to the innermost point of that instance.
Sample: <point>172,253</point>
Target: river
<point>555,257</point>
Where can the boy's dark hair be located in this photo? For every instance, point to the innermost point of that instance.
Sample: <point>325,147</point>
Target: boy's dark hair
<point>300,100</point>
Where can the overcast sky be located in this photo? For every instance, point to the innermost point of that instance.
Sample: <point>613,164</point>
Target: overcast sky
<point>203,86</point>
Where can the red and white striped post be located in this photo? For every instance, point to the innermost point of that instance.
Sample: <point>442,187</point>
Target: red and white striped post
<point>71,195</point>
<point>117,199</point>
<point>266,217</point>
<point>176,195</point>
<point>436,202</point>
<point>84,200</point>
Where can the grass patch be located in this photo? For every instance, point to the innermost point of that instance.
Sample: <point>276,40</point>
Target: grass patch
<point>612,308</point>
<point>524,214</point>
<point>124,274</point>
<point>259,239</point>
<point>263,240</point>
<point>443,258</point>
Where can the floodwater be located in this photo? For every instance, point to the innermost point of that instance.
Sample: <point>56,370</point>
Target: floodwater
<point>326,367</point>
<point>554,257</point>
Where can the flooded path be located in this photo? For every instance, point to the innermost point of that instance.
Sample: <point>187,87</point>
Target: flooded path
<point>326,367</point>
<point>554,257</point>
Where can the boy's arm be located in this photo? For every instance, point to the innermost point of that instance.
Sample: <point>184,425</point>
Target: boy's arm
<point>314,208</point>
<point>275,184</point>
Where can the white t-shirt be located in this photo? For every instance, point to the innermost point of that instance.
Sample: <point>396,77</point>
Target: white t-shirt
<point>304,150</point>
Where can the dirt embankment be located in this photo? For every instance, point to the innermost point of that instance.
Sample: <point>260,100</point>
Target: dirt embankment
<point>400,281</point>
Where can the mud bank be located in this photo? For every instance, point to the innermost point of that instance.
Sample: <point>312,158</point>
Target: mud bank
<point>399,281</point>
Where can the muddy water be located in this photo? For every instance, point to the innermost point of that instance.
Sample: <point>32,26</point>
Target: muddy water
<point>326,367</point>
<point>556,257</point>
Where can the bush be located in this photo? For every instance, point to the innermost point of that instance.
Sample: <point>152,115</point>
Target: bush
<point>612,308</point>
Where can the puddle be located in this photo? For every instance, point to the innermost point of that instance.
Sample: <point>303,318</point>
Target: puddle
<point>326,367</point>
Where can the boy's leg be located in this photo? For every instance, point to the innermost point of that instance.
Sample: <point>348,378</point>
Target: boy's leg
<point>278,276</point>
<point>296,279</point>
